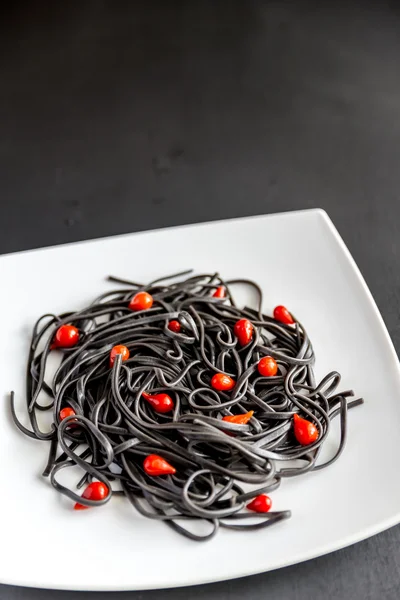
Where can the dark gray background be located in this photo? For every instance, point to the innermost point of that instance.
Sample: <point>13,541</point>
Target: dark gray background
<point>120,116</point>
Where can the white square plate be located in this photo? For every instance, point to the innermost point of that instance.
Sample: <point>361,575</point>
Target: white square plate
<point>300,261</point>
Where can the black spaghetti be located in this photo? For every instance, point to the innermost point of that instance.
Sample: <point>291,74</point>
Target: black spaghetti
<point>184,403</point>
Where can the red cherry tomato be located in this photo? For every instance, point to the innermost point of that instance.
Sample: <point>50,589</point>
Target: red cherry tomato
<point>66,337</point>
<point>94,491</point>
<point>174,326</point>
<point>66,412</point>
<point>282,314</point>
<point>219,292</point>
<point>155,465</point>
<point>267,366</point>
<point>305,432</point>
<point>141,301</point>
<point>161,403</point>
<point>120,349</point>
<point>222,383</point>
<point>244,331</point>
<point>260,504</point>
<point>239,419</point>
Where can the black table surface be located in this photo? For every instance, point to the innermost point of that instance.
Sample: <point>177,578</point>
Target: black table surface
<point>124,116</point>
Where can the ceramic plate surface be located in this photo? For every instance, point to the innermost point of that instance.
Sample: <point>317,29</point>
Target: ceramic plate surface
<point>300,261</point>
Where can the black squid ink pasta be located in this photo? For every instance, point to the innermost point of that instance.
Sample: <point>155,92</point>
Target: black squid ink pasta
<point>187,405</point>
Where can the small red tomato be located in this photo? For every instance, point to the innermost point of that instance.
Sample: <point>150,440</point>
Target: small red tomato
<point>94,491</point>
<point>305,432</point>
<point>66,337</point>
<point>260,504</point>
<point>161,403</point>
<point>141,301</point>
<point>155,465</point>
<point>222,383</point>
<point>174,326</point>
<point>282,314</point>
<point>219,292</point>
<point>244,331</point>
<point>239,419</point>
<point>267,366</point>
<point>66,412</point>
<point>120,349</point>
